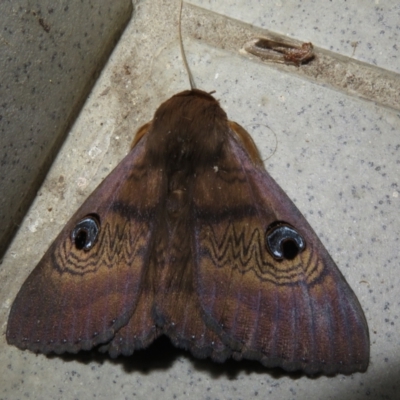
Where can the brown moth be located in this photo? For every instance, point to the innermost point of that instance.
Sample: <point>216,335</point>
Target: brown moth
<point>190,237</point>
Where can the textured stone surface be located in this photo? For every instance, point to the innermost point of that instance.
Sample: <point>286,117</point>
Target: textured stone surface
<point>51,54</point>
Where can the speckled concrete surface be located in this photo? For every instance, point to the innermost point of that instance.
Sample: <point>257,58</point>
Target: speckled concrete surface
<point>367,32</point>
<point>337,157</point>
<point>50,56</point>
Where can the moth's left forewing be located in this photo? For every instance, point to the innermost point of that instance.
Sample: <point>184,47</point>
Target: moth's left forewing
<point>266,283</point>
<point>88,283</point>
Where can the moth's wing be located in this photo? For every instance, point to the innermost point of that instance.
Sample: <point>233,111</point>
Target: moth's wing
<point>298,314</point>
<point>75,299</point>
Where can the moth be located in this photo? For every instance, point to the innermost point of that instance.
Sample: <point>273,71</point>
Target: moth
<point>280,51</point>
<point>191,238</point>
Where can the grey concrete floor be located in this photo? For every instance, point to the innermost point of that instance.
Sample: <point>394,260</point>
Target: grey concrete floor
<point>337,157</point>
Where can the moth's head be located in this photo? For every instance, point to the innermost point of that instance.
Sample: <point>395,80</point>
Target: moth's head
<point>194,109</point>
<point>190,127</point>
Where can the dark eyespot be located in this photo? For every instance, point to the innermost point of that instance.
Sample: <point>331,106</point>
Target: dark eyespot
<point>283,241</point>
<point>86,232</point>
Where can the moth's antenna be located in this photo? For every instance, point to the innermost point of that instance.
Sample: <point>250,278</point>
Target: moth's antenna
<point>191,80</point>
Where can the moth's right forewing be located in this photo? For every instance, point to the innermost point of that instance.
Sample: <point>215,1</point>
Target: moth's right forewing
<point>295,313</point>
